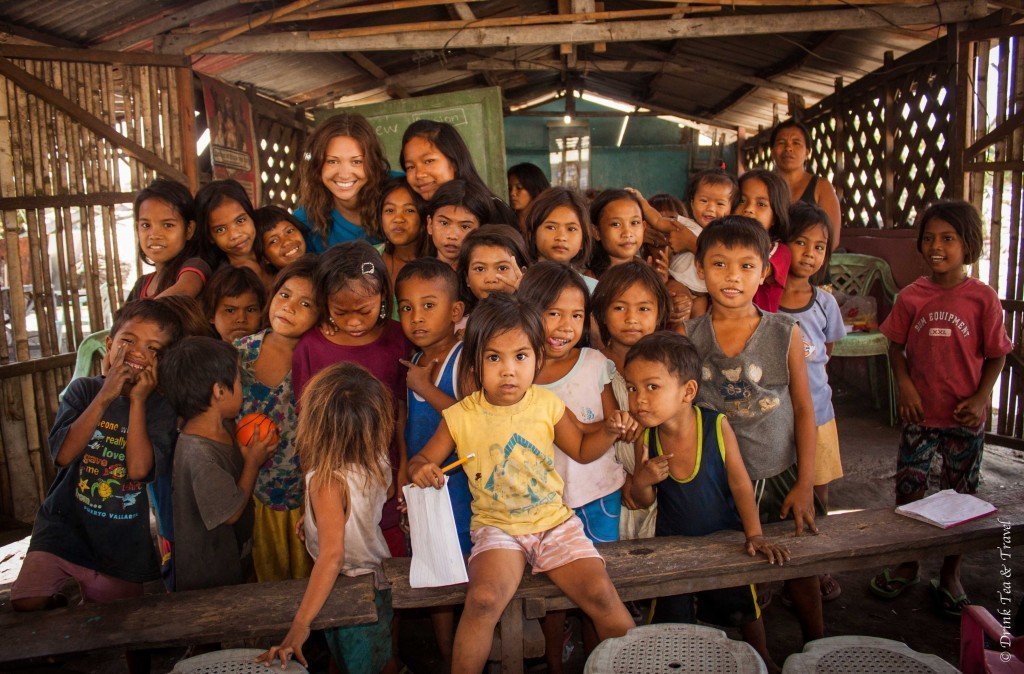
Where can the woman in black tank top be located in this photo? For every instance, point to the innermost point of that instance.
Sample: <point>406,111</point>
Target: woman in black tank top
<point>790,143</point>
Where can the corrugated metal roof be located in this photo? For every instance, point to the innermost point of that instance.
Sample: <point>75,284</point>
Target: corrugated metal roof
<point>805,62</point>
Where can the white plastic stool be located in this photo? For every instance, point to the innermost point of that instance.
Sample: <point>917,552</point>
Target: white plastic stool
<point>671,648</point>
<point>233,661</point>
<point>863,655</point>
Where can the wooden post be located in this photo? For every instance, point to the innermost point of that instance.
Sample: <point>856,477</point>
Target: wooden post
<point>512,638</point>
<point>961,57</point>
<point>187,120</point>
<point>839,140</point>
<point>888,152</point>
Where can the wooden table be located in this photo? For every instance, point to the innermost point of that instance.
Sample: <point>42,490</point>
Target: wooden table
<point>656,567</point>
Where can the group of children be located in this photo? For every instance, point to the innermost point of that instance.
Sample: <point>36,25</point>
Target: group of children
<point>621,368</point>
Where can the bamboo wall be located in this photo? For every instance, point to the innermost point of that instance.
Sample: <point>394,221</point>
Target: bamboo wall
<point>78,137</point>
<point>991,81</point>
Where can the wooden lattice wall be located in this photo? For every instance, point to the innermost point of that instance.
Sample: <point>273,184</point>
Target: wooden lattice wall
<point>280,139</point>
<point>884,142</point>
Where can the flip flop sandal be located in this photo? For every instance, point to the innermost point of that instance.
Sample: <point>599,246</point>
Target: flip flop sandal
<point>893,586</point>
<point>836,588</point>
<point>945,603</point>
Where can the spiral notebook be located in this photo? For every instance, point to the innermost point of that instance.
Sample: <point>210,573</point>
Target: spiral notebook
<point>947,508</point>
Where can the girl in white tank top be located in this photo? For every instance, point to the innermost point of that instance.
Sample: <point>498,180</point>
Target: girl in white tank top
<point>344,430</point>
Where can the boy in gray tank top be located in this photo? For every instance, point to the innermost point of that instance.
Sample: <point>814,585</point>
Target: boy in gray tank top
<point>754,372</point>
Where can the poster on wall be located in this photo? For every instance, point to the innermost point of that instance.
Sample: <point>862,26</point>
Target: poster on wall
<point>232,136</point>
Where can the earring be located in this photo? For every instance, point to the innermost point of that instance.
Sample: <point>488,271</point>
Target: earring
<point>383,310</point>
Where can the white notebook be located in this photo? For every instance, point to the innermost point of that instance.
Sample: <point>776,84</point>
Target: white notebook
<point>436,556</point>
<point>947,508</point>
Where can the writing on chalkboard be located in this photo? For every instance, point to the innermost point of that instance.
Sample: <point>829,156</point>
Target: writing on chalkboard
<point>387,125</point>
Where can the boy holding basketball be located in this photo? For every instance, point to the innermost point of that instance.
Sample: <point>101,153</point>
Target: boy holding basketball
<point>213,476</point>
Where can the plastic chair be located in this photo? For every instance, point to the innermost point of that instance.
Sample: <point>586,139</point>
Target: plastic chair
<point>93,346</point>
<point>854,274</point>
<point>674,648</point>
<point>976,623</point>
<point>842,655</point>
<point>232,661</point>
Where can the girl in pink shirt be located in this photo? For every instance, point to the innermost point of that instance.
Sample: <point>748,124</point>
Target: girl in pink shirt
<point>947,348</point>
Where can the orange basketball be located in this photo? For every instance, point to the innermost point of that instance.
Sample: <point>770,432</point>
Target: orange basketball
<point>249,424</point>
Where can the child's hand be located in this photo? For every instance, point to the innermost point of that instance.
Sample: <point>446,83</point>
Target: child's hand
<point>659,263</point>
<point>290,647</point>
<point>653,237</point>
<point>776,554</point>
<point>513,277</point>
<point>623,425</point>
<point>653,471</point>
<point>328,328</point>
<point>145,383</point>
<point>420,378</point>
<point>259,449</point>
<point>300,528</point>
<point>910,408</point>
<point>627,494</point>
<point>119,375</point>
<point>682,304</point>
<point>970,412</point>
<point>801,501</point>
<point>428,475</point>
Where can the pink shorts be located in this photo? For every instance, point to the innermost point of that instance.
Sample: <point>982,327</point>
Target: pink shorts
<point>545,550</point>
<point>43,575</point>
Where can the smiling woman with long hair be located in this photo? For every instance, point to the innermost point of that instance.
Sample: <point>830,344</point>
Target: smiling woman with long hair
<point>340,175</point>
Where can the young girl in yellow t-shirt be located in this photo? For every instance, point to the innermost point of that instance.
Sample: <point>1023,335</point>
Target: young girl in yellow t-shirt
<point>511,426</point>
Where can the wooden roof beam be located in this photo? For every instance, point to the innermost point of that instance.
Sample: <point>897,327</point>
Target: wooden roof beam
<point>702,65</point>
<point>247,25</point>
<point>942,11</point>
<point>34,35</point>
<point>161,23</point>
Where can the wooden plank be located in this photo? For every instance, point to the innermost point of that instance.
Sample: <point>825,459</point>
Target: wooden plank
<point>248,24</point>
<point>338,11</point>
<point>57,99</point>
<point>17,51</point>
<point>995,165</point>
<point>166,23</point>
<point>671,565</point>
<point>942,12</point>
<point>718,69</point>
<point>66,200</point>
<point>502,21</point>
<point>198,617</point>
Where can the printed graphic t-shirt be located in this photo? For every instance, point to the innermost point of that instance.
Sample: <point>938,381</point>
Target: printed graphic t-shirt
<point>94,515</point>
<point>948,333</point>
<point>512,478</point>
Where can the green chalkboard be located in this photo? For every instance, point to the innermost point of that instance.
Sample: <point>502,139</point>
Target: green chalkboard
<point>476,113</point>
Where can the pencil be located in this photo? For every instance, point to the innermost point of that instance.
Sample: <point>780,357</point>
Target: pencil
<point>457,463</point>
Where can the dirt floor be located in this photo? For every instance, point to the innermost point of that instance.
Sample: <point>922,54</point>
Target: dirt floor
<point>868,448</point>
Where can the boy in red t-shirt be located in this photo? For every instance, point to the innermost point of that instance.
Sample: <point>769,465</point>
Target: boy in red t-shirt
<point>947,348</point>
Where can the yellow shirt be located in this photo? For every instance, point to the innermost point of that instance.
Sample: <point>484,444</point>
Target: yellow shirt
<point>512,478</point>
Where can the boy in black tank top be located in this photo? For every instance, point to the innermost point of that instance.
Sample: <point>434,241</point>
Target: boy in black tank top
<point>689,460</point>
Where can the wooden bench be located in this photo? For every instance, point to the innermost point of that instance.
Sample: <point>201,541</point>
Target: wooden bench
<point>655,567</point>
<point>197,617</point>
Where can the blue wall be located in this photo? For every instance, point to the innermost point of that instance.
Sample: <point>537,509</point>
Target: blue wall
<point>651,157</point>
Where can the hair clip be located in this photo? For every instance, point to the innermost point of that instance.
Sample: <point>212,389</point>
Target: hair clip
<point>368,268</point>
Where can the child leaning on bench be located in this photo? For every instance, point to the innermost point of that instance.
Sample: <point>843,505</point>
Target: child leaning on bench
<point>511,426</point>
<point>93,526</point>
<point>689,461</point>
<point>754,373</point>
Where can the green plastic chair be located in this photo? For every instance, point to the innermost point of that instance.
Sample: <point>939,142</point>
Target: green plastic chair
<point>91,349</point>
<point>854,274</point>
